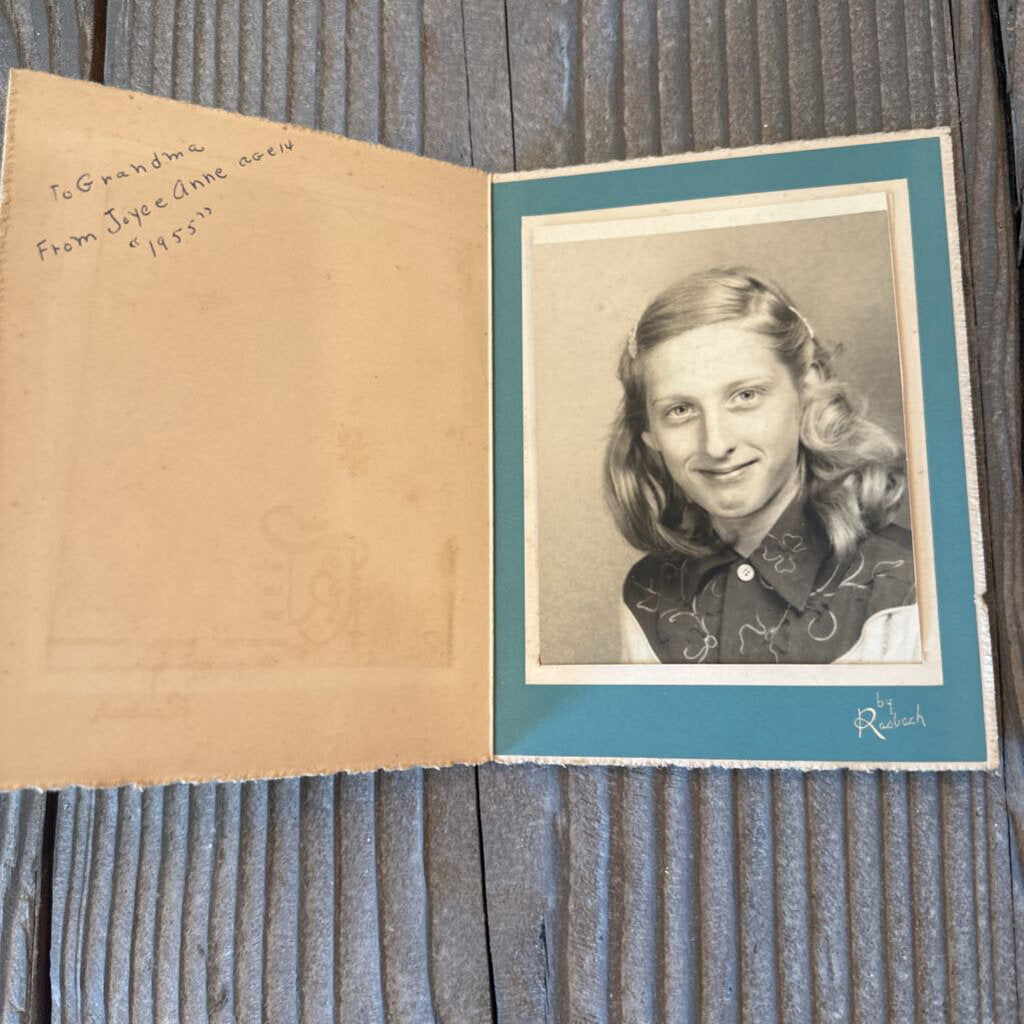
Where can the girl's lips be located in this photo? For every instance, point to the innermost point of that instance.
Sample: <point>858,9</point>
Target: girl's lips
<point>729,473</point>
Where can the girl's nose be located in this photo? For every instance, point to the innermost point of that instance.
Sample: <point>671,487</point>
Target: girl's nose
<point>718,439</point>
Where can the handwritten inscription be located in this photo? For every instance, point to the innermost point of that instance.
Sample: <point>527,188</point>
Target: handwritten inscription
<point>183,188</point>
<point>883,717</point>
<point>128,220</point>
<point>116,219</point>
<point>70,244</point>
<point>84,182</point>
<point>257,155</point>
<point>177,235</point>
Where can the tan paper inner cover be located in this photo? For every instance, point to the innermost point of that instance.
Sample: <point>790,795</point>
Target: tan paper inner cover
<point>244,494</point>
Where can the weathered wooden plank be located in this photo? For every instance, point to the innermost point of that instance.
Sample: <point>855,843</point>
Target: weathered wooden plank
<point>993,305</point>
<point>1010,47</point>
<point>21,832</point>
<point>357,897</point>
<point>487,79</point>
<point>49,35</point>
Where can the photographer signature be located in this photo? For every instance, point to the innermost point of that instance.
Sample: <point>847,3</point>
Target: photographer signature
<point>883,717</point>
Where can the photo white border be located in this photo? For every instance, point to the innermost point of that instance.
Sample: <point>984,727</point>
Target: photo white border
<point>703,214</point>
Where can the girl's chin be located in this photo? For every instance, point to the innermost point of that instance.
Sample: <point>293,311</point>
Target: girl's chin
<point>736,509</point>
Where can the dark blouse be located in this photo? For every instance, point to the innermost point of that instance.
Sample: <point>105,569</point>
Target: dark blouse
<point>788,601</point>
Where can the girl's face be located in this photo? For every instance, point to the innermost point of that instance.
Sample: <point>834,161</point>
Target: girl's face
<point>724,412</point>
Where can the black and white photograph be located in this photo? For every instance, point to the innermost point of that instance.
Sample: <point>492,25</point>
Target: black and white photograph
<point>723,442</point>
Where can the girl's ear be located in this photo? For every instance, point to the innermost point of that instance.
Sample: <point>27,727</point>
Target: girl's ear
<point>651,441</point>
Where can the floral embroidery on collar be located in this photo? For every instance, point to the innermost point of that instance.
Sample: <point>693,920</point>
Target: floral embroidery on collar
<point>787,560</point>
<point>791,554</point>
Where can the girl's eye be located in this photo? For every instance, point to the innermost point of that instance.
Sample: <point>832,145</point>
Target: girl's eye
<point>747,396</point>
<point>679,412</point>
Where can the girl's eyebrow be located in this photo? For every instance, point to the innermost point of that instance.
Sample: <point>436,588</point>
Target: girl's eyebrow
<point>746,382</point>
<point>672,399</point>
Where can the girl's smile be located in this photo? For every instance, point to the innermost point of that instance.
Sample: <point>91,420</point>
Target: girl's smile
<point>724,413</point>
<point>728,474</point>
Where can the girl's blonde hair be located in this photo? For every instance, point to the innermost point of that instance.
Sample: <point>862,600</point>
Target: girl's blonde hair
<point>853,469</point>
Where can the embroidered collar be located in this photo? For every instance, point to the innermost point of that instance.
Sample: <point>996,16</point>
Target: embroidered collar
<point>787,560</point>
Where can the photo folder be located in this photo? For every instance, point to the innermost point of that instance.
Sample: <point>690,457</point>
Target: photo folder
<point>261,469</point>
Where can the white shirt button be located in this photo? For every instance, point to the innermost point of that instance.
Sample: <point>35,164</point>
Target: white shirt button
<point>745,572</point>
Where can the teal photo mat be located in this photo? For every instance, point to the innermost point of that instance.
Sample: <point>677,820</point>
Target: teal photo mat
<point>737,722</point>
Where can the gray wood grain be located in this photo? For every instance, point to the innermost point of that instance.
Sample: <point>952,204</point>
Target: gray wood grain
<point>1010,52</point>
<point>48,35</point>
<point>355,898</point>
<point>995,279</point>
<point>611,895</point>
<point>21,831</point>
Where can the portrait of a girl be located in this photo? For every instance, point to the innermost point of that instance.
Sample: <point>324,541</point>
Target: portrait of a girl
<point>762,495</point>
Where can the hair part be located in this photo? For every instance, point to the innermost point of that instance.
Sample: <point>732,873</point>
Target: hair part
<point>853,468</point>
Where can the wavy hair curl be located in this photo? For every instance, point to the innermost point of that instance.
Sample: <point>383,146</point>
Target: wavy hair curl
<point>853,469</point>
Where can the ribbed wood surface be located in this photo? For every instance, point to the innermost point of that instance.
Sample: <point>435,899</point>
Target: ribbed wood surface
<point>21,834</point>
<point>574,894</point>
<point>1010,48</point>
<point>49,35</point>
<point>357,897</point>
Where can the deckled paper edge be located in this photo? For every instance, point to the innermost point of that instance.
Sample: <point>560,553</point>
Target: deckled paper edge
<point>5,174</point>
<point>974,515</point>
<point>817,766</point>
<point>275,775</point>
<point>515,759</point>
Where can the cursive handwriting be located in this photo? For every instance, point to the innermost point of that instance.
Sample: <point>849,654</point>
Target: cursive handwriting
<point>883,717</point>
<point>177,235</point>
<point>257,155</point>
<point>122,220</point>
<point>116,219</point>
<point>84,182</point>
